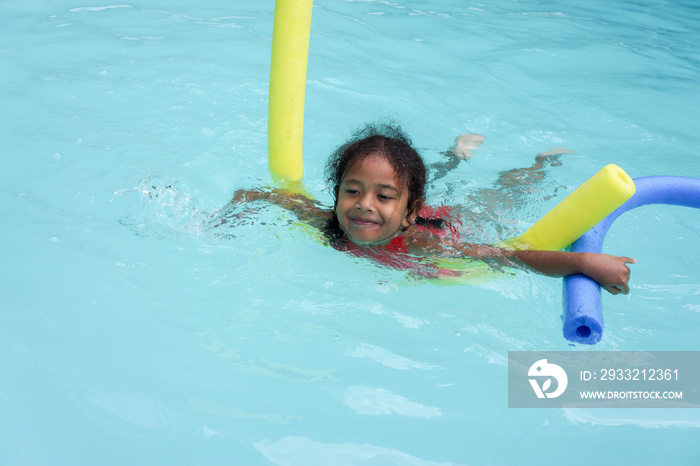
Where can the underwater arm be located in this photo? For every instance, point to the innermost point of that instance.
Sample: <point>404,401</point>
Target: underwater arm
<point>610,272</point>
<point>306,209</point>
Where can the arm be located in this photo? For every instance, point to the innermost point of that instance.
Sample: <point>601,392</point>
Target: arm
<point>610,272</point>
<point>307,210</point>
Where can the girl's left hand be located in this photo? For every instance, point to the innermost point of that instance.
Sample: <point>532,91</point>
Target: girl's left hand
<point>610,272</point>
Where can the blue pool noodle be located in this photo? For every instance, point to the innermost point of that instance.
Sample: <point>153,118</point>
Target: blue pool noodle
<point>583,309</point>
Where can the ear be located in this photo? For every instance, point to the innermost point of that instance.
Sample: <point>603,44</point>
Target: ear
<point>412,214</point>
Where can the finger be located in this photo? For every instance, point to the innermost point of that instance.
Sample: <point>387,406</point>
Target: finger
<point>612,289</point>
<point>629,260</point>
<point>624,288</point>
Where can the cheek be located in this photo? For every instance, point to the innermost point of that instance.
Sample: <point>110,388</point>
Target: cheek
<point>341,205</point>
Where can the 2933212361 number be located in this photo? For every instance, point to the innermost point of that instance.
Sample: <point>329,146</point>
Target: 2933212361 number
<point>639,374</point>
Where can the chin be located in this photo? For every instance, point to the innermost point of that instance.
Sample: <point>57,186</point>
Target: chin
<point>364,242</point>
<point>368,241</point>
<point>365,239</point>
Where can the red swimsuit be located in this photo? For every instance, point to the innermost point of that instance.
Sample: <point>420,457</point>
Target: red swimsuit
<point>395,254</point>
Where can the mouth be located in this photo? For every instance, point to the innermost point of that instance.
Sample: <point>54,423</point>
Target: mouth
<point>363,222</point>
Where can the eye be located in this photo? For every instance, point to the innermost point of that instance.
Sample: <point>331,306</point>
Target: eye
<point>385,197</point>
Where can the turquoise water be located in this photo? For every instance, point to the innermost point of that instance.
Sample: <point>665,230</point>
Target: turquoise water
<point>131,333</point>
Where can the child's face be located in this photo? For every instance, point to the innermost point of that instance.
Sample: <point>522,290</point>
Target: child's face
<point>372,204</point>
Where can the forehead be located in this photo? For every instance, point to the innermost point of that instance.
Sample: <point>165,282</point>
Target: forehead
<point>373,167</point>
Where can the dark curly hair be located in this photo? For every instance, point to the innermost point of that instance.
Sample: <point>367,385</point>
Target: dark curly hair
<point>389,142</point>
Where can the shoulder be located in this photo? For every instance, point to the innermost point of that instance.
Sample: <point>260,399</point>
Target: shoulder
<point>432,233</point>
<point>422,241</point>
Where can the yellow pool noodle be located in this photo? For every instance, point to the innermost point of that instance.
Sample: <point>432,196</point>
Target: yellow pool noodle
<point>580,211</point>
<point>290,51</point>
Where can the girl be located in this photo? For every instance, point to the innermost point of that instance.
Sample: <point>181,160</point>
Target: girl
<point>379,183</point>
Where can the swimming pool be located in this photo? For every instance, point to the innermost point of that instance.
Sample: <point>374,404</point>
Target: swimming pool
<point>133,334</point>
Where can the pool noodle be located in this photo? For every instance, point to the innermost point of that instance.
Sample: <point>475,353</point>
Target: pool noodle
<point>582,302</point>
<point>290,51</point>
<point>580,211</point>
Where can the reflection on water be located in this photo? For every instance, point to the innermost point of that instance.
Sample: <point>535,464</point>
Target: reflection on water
<point>301,451</point>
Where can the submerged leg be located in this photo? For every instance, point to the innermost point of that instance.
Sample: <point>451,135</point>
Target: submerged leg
<point>462,150</point>
<point>496,212</point>
<point>525,177</point>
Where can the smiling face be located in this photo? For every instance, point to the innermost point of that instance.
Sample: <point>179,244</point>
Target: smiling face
<point>372,203</point>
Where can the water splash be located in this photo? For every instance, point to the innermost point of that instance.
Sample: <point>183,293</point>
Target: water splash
<point>161,209</point>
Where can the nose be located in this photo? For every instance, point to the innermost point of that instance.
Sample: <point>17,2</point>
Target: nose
<point>365,203</point>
